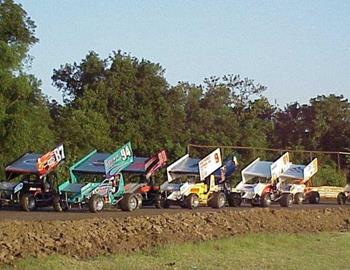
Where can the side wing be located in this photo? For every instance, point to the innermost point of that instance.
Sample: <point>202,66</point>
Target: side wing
<point>50,160</point>
<point>154,163</point>
<point>210,164</point>
<point>311,169</point>
<point>119,160</point>
<point>279,166</point>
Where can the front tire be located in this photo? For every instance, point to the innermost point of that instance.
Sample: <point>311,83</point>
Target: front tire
<point>56,203</point>
<point>286,200</point>
<point>314,197</point>
<point>96,203</point>
<point>191,201</point>
<point>129,202</point>
<point>218,200</point>
<point>265,200</point>
<point>235,200</point>
<point>299,198</point>
<point>341,198</point>
<point>27,202</point>
<point>158,201</point>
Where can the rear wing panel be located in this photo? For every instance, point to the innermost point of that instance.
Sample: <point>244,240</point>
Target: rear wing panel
<point>311,169</point>
<point>33,163</point>
<point>119,160</point>
<point>244,171</point>
<point>279,166</point>
<point>50,160</point>
<point>210,164</point>
<point>154,163</point>
<point>172,176</point>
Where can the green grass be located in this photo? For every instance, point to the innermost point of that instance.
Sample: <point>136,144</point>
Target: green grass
<point>257,251</point>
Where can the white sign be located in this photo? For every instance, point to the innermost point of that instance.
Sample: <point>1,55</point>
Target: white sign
<point>210,164</point>
<point>310,169</point>
<point>279,166</point>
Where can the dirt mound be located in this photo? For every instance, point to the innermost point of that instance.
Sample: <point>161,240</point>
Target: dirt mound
<point>100,236</point>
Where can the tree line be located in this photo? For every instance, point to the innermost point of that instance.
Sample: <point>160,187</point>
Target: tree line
<point>108,101</point>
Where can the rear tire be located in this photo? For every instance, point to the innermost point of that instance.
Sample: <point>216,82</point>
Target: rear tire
<point>286,200</point>
<point>158,202</point>
<point>191,201</point>
<point>299,198</point>
<point>314,197</point>
<point>96,203</point>
<point>56,203</point>
<point>27,202</point>
<point>341,198</point>
<point>1,197</point>
<point>265,200</point>
<point>139,200</point>
<point>129,202</point>
<point>218,200</point>
<point>234,199</point>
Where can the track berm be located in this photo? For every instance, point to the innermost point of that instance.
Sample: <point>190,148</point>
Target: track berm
<point>104,236</point>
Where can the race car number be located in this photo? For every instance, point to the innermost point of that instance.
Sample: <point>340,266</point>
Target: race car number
<point>50,159</point>
<point>125,152</point>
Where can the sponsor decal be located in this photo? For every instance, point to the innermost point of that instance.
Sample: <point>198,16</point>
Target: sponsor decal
<point>119,160</point>
<point>18,187</point>
<point>50,160</point>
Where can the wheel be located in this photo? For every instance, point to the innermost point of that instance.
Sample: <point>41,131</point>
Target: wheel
<point>217,200</point>
<point>234,199</point>
<point>191,201</point>
<point>299,198</point>
<point>56,203</point>
<point>265,200</point>
<point>129,202</point>
<point>314,197</point>
<point>96,203</point>
<point>158,202</point>
<point>2,196</point>
<point>166,204</point>
<point>139,200</point>
<point>286,200</point>
<point>341,198</point>
<point>27,202</point>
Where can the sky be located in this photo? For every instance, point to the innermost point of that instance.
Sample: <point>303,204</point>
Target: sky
<point>298,49</point>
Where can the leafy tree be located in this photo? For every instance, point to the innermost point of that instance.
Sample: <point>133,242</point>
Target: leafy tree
<point>24,117</point>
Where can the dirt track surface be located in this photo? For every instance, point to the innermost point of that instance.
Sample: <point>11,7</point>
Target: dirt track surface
<point>102,236</point>
<point>50,215</point>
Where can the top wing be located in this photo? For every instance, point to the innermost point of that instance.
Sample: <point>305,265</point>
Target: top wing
<point>32,163</point>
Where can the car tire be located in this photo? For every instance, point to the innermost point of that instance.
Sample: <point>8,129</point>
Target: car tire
<point>299,198</point>
<point>234,199</point>
<point>191,201</point>
<point>217,200</point>
<point>129,202</point>
<point>96,203</point>
<point>265,200</point>
<point>341,198</point>
<point>314,197</point>
<point>286,200</point>
<point>56,203</point>
<point>27,202</point>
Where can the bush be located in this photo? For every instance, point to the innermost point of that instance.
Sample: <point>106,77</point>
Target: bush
<point>328,175</point>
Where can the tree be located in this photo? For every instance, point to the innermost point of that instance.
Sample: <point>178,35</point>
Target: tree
<point>24,117</point>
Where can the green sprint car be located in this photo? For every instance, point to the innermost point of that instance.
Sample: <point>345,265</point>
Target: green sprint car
<point>97,180</point>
